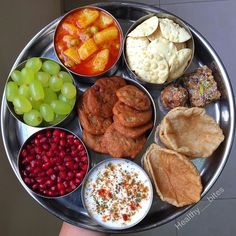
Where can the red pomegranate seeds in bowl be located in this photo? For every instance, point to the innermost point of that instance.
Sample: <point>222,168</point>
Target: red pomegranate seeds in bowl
<point>53,162</point>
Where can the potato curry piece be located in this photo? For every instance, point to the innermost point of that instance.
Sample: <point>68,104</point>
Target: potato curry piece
<point>88,41</point>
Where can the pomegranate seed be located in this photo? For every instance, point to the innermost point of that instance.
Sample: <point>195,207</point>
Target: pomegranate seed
<point>48,134</point>
<point>36,141</point>
<point>53,177</point>
<point>56,133</point>
<point>50,193</point>
<point>24,153</point>
<point>38,149</point>
<point>69,189</point>
<point>42,186</point>
<point>84,167</point>
<point>61,168</point>
<point>42,174</point>
<point>66,184</point>
<point>63,175</point>
<point>35,186</point>
<point>70,175</point>
<point>43,140</point>
<point>77,159</point>
<point>73,147</point>
<point>56,139</point>
<point>49,182</point>
<point>36,170</point>
<point>50,172</point>
<point>62,154</point>
<point>69,165</point>
<point>41,180</point>
<point>46,166</point>
<point>39,136</point>
<point>77,181</point>
<point>54,188</point>
<point>60,186</point>
<point>45,159</point>
<point>46,146</point>
<point>79,175</point>
<point>77,142</point>
<point>84,159</point>
<point>80,147</point>
<point>53,147</point>
<point>62,192</point>
<point>76,166</point>
<point>68,159</point>
<point>63,142</point>
<point>72,184</point>
<point>62,134</point>
<point>27,181</point>
<point>70,141</point>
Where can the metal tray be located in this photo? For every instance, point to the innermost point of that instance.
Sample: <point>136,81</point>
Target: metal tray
<point>70,208</point>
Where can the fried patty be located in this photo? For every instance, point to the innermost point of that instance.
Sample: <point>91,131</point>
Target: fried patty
<point>131,132</point>
<point>102,96</point>
<point>131,117</point>
<point>118,145</point>
<point>96,125</point>
<point>134,97</point>
<point>94,142</point>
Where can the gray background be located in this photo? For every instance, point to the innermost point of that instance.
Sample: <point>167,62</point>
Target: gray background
<point>20,20</point>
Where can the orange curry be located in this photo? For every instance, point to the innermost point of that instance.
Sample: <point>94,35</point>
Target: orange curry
<point>88,41</point>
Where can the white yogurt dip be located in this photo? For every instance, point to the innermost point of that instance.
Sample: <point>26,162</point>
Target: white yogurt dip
<point>117,193</point>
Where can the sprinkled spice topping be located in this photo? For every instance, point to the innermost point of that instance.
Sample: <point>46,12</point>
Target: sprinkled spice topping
<point>117,193</point>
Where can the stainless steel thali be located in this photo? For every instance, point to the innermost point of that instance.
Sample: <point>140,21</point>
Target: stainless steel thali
<point>70,208</point>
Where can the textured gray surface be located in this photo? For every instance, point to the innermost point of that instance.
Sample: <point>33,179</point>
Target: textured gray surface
<point>216,20</point>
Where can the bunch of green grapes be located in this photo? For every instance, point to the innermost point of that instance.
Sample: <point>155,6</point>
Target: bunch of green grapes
<point>41,92</point>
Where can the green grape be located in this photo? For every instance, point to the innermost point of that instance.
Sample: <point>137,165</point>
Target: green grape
<point>66,77</point>
<point>11,90</point>
<point>60,107</point>
<point>18,112</point>
<point>22,104</point>
<point>57,119</point>
<point>51,67</point>
<point>35,104</point>
<point>64,99</point>
<point>24,90</point>
<point>33,118</point>
<point>43,77</point>
<point>16,76</point>
<point>55,83</point>
<point>68,90</point>
<point>36,90</point>
<point>34,63</point>
<point>27,75</point>
<point>47,112</point>
<point>49,95</point>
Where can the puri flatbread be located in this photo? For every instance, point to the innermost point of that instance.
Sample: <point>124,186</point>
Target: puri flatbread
<point>135,48</point>
<point>178,62</point>
<point>153,69</point>
<point>146,28</point>
<point>176,179</point>
<point>173,31</point>
<point>155,35</point>
<point>163,47</point>
<point>190,131</point>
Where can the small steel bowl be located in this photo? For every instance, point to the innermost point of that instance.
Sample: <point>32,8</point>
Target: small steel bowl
<point>190,44</point>
<point>19,169</point>
<point>101,165</point>
<point>10,105</point>
<point>110,71</point>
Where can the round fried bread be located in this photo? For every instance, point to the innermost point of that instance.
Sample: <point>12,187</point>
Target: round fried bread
<point>102,96</point>
<point>94,142</point>
<point>131,132</point>
<point>96,125</point>
<point>133,97</point>
<point>118,145</point>
<point>130,117</point>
